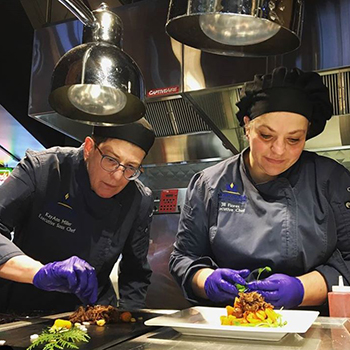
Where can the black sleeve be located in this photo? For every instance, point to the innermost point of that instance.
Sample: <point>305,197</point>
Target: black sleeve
<point>135,272</point>
<point>192,249</point>
<point>8,250</point>
<point>338,189</point>
<point>15,200</point>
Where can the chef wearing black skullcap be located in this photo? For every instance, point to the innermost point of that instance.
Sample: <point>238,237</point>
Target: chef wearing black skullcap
<point>289,91</point>
<point>73,212</point>
<point>272,205</point>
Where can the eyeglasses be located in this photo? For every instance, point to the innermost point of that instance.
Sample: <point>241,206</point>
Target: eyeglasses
<point>111,165</point>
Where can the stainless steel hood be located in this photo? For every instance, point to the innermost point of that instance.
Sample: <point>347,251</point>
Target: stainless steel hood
<point>191,95</point>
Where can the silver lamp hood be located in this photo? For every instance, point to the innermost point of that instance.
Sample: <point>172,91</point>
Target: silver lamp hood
<point>97,82</point>
<point>237,28</point>
<point>191,94</point>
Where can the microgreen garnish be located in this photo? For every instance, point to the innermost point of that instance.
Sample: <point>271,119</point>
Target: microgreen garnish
<point>240,288</point>
<point>60,338</point>
<point>262,269</point>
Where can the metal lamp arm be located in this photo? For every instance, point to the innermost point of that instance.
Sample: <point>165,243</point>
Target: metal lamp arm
<point>81,11</point>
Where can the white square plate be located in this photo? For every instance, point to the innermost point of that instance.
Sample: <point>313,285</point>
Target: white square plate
<point>205,321</point>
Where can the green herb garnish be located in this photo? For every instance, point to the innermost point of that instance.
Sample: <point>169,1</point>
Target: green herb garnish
<point>240,287</point>
<point>262,269</point>
<point>60,338</point>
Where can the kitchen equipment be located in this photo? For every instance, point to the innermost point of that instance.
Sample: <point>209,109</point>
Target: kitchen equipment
<point>168,201</point>
<point>205,321</point>
<point>339,300</point>
<point>97,82</point>
<point>237,27</point>
<point>194,123</point>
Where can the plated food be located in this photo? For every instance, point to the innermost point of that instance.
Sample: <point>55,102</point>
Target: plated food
<point>100,315</point>
<point>63,334</point>
<point>69,334</point>
<point>251,310</point>
<point>204,321</point>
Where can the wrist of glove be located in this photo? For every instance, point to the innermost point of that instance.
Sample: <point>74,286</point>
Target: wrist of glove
<point>73,275</point>
<point>280,290</point>
<point>220,285</point>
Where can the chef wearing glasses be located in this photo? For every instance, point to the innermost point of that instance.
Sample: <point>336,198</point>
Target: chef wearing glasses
<point>72,212</point>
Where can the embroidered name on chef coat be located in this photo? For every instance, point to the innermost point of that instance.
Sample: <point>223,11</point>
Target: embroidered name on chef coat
<point>59,215</point>
<point>230,200</point>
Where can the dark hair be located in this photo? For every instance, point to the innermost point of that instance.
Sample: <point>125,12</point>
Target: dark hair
<point>99,139</point>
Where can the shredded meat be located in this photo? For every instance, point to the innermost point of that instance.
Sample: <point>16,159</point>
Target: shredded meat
<point>94,313</point>
<point>252,301</point>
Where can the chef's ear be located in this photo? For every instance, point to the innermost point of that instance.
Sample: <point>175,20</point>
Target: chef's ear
<point>88,147</point>
<point>246,121</point>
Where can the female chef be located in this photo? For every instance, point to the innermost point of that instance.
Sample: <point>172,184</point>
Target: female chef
<point>73,212</point>
<point>273,204</point>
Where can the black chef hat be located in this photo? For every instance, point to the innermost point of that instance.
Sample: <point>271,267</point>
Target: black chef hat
<point>287,91</point>
<point>140,133</point>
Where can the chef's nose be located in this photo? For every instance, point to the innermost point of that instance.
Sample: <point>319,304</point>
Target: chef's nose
<point>118,173</point>
<point>279,146</point>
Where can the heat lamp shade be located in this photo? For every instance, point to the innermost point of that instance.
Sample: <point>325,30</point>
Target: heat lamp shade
<point>243,28</point>
<point>99,84</point>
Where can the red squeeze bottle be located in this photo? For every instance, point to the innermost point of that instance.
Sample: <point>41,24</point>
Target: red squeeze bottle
<point>339,300</point>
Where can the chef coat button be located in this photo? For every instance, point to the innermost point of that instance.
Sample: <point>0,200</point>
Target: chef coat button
<point>347,204</point>
<point>348,189</point>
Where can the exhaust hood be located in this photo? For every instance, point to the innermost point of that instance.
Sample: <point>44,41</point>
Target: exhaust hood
<point>337,131</point>
<point>191,94</point>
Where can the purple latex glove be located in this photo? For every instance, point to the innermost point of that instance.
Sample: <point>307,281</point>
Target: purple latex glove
<point>73,275</point>
<point>280,290</point>
<point>220,285</point>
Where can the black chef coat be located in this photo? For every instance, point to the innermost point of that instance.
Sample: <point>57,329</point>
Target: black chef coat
<point>294,224</point>
<point>49,205</point>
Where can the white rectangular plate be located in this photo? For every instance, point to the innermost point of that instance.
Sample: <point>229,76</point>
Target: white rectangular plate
<point>205,321</point>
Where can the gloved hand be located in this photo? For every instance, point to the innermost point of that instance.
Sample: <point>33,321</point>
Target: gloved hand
<point>220,285</point>
<point>73,275</point>
<point>279,290</point>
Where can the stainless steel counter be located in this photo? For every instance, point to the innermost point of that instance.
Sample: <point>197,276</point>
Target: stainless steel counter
<point>325,334</point>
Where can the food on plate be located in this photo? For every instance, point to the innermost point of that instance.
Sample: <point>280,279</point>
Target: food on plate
<point>63,334</point>
<point>251,310</point>
<point>126,316</point>
<point>66,333</point>
<point>101,322</point>
<point>62,324</point>
<point>100,315</point>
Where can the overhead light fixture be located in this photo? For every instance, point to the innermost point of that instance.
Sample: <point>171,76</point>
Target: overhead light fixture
<point>97,82</point>
<point>249,28</point>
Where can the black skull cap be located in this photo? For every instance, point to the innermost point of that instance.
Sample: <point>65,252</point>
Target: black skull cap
<point>139,133</point>
<point>287,91</point>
